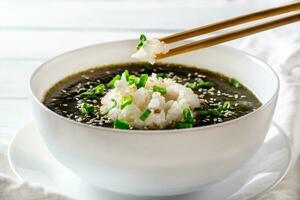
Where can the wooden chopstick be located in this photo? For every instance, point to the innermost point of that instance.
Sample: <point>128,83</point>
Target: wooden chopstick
<point>230,22</point>
<point>230,36</point>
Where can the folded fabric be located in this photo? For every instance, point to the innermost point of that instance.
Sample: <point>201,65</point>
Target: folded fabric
<point>11,189</point>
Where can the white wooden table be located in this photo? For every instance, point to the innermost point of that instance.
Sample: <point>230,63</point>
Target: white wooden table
<point>33,31</point>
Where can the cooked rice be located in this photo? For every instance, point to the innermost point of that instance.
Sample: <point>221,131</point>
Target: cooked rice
<point>166,109</point>
<point>149,51</point>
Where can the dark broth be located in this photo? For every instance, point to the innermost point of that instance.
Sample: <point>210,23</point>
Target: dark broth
<point>64,97</point>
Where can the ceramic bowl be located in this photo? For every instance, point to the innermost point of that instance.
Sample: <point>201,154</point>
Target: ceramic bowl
<point>161,162</point>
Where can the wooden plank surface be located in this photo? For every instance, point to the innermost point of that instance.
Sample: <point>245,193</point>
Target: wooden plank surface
<point>14,113</point>
<point>30,44</point>
<point>15,78</point>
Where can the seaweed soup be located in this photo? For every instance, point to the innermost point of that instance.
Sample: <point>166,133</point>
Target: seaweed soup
<point>78,97</point>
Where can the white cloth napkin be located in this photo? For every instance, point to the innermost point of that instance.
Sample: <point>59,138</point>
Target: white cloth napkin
<point>281,49</point>
<point>15,190</point>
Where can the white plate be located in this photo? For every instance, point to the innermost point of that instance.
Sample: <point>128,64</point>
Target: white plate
<point>31,161</point>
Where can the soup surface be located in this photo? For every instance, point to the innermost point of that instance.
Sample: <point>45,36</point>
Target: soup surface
<point>80,97</point>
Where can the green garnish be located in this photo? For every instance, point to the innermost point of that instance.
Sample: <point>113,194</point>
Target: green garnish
<point>226,105</point>
<point>94,92</point>
<point>126,74</point>
<point>188,120</point>
<point>87,109</point>
<point>145,114</point>
<point>202,84</point>
<point>133,79</point>
<point>205,84</point>
<point>181,125</point>
<point>142,81</point>
<point>126,100</point>
<point>112,107</point>
<point>234,82</point>
<point>211,112</point>
<point>202,112</point>
<point>161,75</point>
<point>215,112</point>
<point>193,86</point>
<point>161,90</point>
<point>111,84</point>
<point>142,41</point>
<point>188,117</point>
<point>121,124</point>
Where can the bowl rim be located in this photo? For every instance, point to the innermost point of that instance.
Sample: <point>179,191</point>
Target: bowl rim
<point>158,131</point>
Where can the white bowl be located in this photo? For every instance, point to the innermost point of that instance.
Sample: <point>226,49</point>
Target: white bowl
<point>161,162</point>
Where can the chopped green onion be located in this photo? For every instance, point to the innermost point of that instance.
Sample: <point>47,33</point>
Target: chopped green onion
<point>126,74</point>
<point>126,100</point>
<point>234,82</point>
<point>211,112</point>
<point>192,85</point>
<point>181,125</point>
<point>215,112</point>
<point>94,92</point>
<point>112,107</point>
<point>188,120</point>
<point>142,81</point>
<point>132,79</point>
<point>111,84</point>
<point>226,105</point>
<point>187,116</point>
<point>145,114</point>
<point>203,112</point>
<point>205,84</point>
<point>121,124</point>
<point>142,41</point>
<point>87,109</point>
<point>202,84</point>
<point>161,90</point>
<point>161,75</point>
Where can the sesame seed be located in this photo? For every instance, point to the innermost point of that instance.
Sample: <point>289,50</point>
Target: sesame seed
<point>211,89</point>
